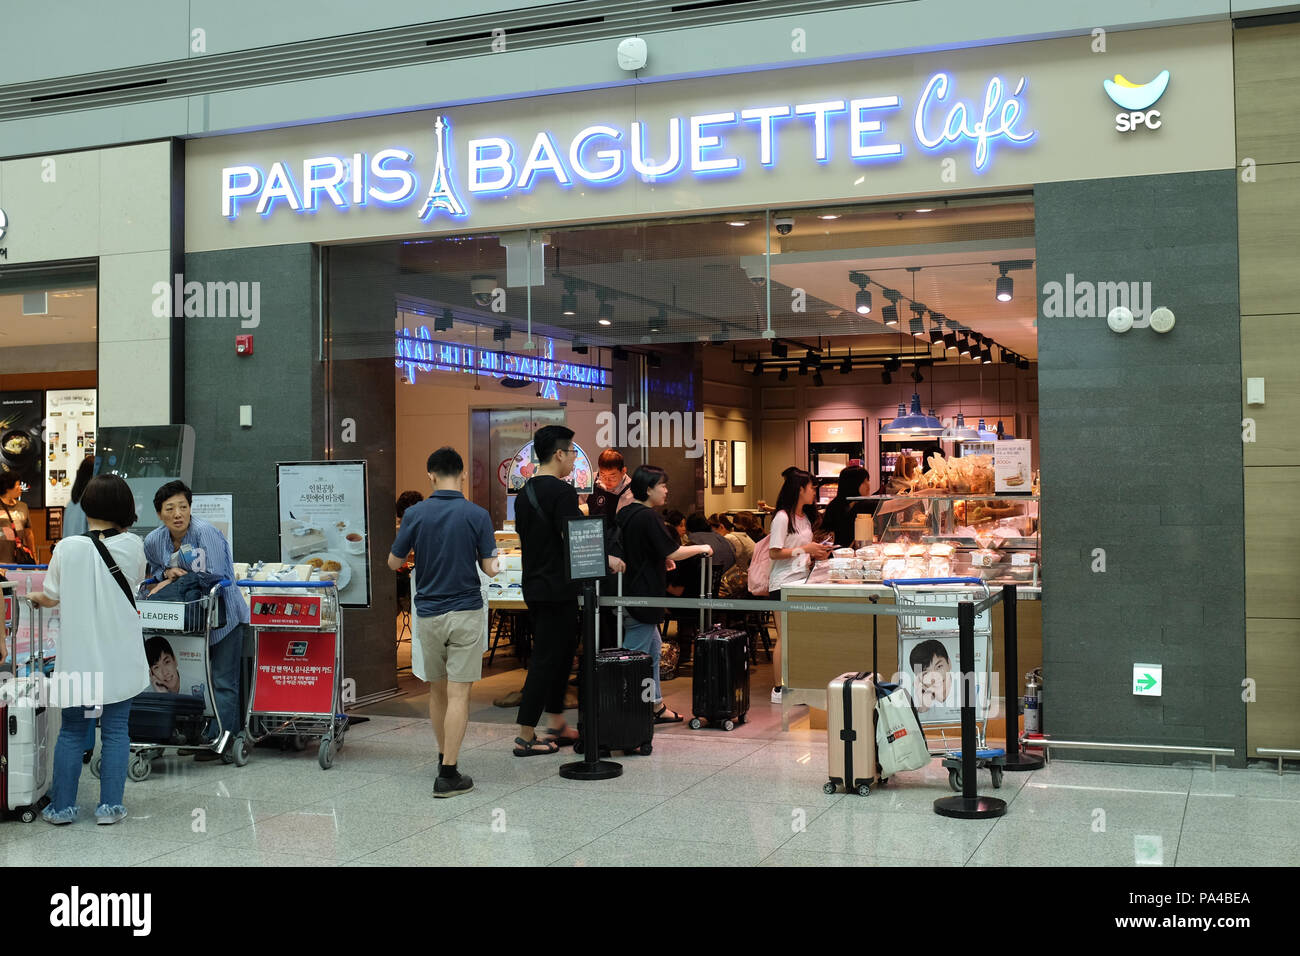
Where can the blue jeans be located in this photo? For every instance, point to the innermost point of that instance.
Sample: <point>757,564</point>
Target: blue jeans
<point>115,753</point>
<point>644,637</point>
<point>226,655</point>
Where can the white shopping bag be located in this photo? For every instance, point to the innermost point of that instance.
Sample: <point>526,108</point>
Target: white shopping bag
<point>900,744</point>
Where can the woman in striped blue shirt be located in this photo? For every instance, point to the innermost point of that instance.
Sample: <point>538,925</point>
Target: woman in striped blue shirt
<point>185,543</point>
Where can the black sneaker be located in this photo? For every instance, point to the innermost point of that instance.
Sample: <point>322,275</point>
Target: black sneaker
<point>452,786</point>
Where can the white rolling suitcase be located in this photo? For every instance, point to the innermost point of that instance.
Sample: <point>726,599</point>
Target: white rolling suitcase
<point>28,730</point>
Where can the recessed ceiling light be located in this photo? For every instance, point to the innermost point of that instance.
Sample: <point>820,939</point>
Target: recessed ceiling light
<point>604,322</point>
<point>828,217</point>
<point>737,223</point>
<point>925,210</point>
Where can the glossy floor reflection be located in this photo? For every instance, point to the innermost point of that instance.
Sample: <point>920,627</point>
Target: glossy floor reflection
<point>701,798</point>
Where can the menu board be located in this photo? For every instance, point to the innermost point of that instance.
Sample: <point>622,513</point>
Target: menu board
<point>22,443</point>
<point>585,541</point>
<point>1012,472</point>
<point>324,523</point>
<point>70,436</point>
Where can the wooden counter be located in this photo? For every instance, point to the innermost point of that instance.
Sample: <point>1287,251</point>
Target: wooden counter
<point>817,647</point>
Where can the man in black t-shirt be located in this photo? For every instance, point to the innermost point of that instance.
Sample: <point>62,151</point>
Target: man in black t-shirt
<point>542,510</point>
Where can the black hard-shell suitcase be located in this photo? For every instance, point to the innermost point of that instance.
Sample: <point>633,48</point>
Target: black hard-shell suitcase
<point>159,718</point>
<point>721,690</point>
<point>623,680</point>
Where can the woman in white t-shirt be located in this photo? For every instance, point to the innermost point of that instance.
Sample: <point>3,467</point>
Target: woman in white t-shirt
<point>792,546</point>
<point>99,634</point>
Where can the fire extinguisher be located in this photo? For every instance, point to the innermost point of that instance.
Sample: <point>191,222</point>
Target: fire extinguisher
<point>1033,701</point>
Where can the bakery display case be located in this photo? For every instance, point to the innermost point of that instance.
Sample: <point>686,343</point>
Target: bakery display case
<point>932,534</point>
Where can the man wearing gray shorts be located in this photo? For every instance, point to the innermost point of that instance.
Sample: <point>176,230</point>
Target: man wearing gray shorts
<point>449,536</point>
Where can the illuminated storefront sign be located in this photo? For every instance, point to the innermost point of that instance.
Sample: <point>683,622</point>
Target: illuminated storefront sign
<point>606,154</point>
<point>419,351</point>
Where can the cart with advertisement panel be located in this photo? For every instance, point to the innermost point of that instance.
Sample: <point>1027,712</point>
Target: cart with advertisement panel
<point>297,690</point>
<point>928,656</point>
<point>177,712</point>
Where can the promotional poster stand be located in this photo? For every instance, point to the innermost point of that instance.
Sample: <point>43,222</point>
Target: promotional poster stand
<point>298,664</point>
<point>168,619</point>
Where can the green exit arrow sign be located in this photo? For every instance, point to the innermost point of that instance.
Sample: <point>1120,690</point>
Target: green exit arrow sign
<point>1147,680</point>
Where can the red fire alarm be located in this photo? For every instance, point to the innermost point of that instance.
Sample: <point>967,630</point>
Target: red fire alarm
<point>243,345</point>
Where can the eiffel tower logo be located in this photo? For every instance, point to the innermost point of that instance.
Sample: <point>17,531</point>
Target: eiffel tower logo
<point>442,194</point>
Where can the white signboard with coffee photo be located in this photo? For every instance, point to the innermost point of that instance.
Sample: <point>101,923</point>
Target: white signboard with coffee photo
<point>324,524</point>
<point>1012,467</point>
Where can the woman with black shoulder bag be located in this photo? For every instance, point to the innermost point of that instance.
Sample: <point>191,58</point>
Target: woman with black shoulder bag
<point>92,579</point>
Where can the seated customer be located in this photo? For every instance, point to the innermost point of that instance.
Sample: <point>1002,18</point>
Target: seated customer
<point>699,532</point>
<point>650,550</point>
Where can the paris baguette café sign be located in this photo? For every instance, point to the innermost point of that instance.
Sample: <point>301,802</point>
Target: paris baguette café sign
<point>940,120</point>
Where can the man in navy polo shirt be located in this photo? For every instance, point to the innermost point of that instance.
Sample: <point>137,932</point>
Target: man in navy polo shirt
<point>449,536</point>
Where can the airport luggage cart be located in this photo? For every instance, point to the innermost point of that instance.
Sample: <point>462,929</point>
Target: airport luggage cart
<point>933,642</point>
<point>18,581</point>
<point>297,688</point>
<point>190,646</point>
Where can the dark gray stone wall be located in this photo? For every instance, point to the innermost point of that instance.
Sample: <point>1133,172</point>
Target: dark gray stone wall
<point>1141,456</point>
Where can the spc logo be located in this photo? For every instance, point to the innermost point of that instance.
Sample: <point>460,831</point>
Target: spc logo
<point>1137,100</point>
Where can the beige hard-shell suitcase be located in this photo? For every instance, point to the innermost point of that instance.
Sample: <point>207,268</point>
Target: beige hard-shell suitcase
<point>851,733</point>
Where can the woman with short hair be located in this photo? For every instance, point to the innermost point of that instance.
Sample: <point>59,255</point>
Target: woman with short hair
<point>99,633</point>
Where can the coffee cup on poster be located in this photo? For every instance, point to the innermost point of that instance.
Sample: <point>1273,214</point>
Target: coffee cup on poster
<point>354,542</point>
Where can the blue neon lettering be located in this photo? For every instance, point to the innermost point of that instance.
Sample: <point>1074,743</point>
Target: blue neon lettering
<point>701,142</point>
<point>859,127</point>
<point>480,160</point>
<point>957,126</point>
<point>820,125</point>
<point>406,180</point>
<point>232,191</point>
<point>279,185</point>
<point>419,351</point>
<point>542,158</point>
<point>647,167</point>
<point>313,184</point>
<point>612,157</point>
<point>765,116</point>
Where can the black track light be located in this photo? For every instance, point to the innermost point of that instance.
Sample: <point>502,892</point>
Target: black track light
<point>965,347</point>
<point>502,334</point>
<point>890,312</point>
<point>950,342</point>
<point>813,359</point>
<point>986,356</point>
<point>936,327</point>
<point>916,375</point>
<point>785,374</point>
<point>885,377</point>
<point>1005,287</point>
<point>893,365</point>
<point>579,346</point>
<point>758,369</point>
<point>817,379</point>
<point>779,350</point>
<point>803,368</point>
<point>658,322</point>
<point>444,322</point>
<point>619,353</point>
<point>569,301</point>
<point>862,302</point>
<point>1023,364</point>
<point>846,365</point>
<point>605,314</point>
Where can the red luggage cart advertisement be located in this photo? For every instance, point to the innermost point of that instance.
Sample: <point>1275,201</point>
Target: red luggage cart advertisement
<point>295,673</point>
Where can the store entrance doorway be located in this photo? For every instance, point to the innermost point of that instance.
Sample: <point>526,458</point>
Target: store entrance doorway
<point>496,435</point>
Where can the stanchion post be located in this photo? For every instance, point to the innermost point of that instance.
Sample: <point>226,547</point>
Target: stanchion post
<point>968,806</point>
<point>1016,760</point>
<point>590,767</point>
